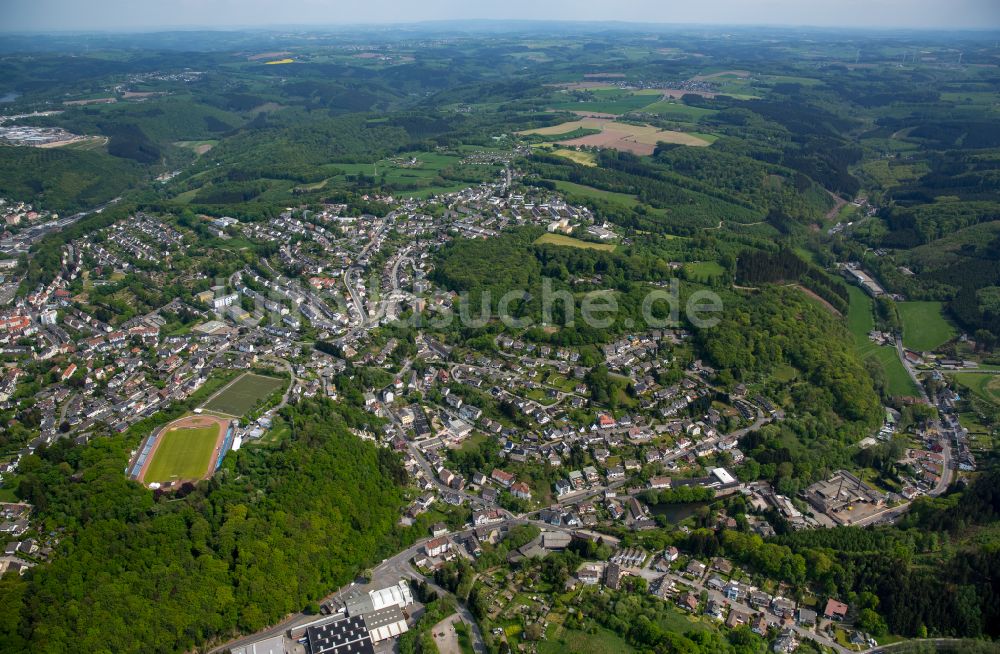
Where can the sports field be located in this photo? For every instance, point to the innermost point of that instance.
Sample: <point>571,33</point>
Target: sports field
<point>185,450</point>
<point>242,394</point>
<point>924,328</point>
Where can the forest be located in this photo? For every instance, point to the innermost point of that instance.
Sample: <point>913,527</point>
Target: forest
<point>138,571</point>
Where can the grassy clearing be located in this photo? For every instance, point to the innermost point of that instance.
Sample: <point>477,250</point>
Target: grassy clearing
<point>186,196</point>
<point>708,138</point>
<point>279,431</point>
<point>788,79</point>
<point>569,241</point>
<point>784,374</point>
<point>415,174</point>
<point>473,442</point>
<point>674,110</point>
<point>182,454</point>
<point>860,321</point>
<point>703,270</point>
<point>565,128</point>
<point>601,641</point>
<point>681,622</point>
<point>580,193</point>
<point>890,172</point>
<point>243,394</point>
<point>589,192</point>
<point>985,386</point>
<point>608,101</point>
<point>924,327</point>
<point>198,147</point>
<point>972,98</point>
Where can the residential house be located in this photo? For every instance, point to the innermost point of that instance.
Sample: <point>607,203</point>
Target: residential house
<point>806,617</point>
<point>688,601</point>
<point>835,610</point>
<point>502,477</point>
<point>695,568</point>
<point>437,546</point>
<point>736,619</point>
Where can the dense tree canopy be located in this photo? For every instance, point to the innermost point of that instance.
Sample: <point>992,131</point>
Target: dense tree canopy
<point>140,572</point>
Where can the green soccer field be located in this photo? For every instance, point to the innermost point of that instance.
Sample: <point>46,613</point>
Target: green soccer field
<point>243,394</point>
<point>182,454</point>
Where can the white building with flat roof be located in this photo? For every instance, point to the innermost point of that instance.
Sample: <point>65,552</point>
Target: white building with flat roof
<point>274,645</point>
<point>723,476</point>
<point>359,602</point>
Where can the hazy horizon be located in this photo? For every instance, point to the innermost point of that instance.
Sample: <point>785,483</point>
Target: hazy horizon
<point>147,15</point>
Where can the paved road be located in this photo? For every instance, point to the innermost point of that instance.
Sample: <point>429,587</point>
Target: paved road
<point>909,368</point>
<point>291,384</point>
<point>355,296</point>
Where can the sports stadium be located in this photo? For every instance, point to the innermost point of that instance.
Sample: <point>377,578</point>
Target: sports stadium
<point>188,449</point>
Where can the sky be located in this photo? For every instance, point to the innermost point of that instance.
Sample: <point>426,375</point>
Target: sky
<point>147,15</point>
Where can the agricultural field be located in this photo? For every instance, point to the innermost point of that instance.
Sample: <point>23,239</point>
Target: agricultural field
<point>988,100</point>
<point>924,326</point>
<point>581,157</point>
<point>569,241</point>
<point>734,83</point>
<point>789,79</point>
<point>673,110</point>
<point>184,450</point>
<point>610,101</point>
<point>243,394</point>
<point>638,139</point>
<point>860,321</point>
<point>568,127</point>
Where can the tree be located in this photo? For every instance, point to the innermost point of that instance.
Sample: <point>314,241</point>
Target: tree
<point>534,631</point>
